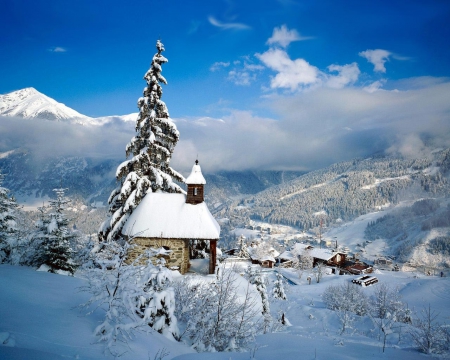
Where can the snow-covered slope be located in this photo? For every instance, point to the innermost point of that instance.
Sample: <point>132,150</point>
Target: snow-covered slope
<point>30,103</point>
<point>40,320</point>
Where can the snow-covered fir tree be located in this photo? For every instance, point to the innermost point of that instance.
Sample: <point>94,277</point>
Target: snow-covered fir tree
<point>278,289</point>
<point>255,278</point>
<point>158,304</point>
<point>242,248</point>
<point>151,150</point>
<point>8,207</point>
<point>56,236</point>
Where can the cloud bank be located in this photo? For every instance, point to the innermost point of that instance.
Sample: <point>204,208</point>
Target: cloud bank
<point>311,130</point>
<point>320,127</point>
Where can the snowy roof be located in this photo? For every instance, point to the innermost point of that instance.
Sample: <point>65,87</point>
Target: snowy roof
<point>267,258</point>
<point>287,255</point>
<point>196,176</point>
<point>300,247</point>
<point>165,215</point>
<point>323,254</point>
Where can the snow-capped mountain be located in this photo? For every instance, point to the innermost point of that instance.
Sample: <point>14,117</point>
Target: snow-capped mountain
<point>29,103</point>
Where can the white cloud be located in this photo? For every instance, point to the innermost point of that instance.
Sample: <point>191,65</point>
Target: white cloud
<point>316,128</point>
<point>283,36</point>
<point>57,49</point>
<point>291,74</point>
<point>244,74</point>
<point>241,77</point>
<point>375,86</point>
<point>347,74</point>
<point>308,130</point>
<point>226,26</point>
<point>377,57</point>
<point>219,65</point>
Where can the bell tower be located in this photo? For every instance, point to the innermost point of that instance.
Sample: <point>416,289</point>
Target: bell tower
<point>195,185</point>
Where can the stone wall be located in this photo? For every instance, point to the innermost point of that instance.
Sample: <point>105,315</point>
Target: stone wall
<point>178,257</point>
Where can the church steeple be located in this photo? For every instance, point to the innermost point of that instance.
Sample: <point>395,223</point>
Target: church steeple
<point>195,185</point>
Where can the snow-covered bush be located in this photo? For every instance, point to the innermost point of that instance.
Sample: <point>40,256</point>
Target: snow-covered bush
<point>387,302</point>
<point>303,261</point>
<point>157,306</point>
<point>386,310</point>
<point>134,297</point>
<point>214,317</point>
<point>347,300</point>
<point>429,335</point>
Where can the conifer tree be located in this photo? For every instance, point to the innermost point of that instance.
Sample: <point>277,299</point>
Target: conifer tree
<point>56,236</point>
<point>243,250</point>
<point>159,305</point>
<point>7,221</point>
<point>254,277</point>
<point>151,150</point>
<point>278,289</point>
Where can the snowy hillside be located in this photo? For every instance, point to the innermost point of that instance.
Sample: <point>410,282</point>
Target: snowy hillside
<point>346,190</point>
<point>30,104</point>
<point>40,320</point>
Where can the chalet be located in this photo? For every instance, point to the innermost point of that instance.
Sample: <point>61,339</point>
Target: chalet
<point>359,268</point>
<point>267,261</point>
<point>265,258</point>
<point>171,221</point>
<point>286,258</point>
<point>326,256</point>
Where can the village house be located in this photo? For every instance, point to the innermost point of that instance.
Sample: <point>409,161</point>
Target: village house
<point>263,256</point>
<point>171,221</point>
<point>358,268</point>
<point>326,256</point>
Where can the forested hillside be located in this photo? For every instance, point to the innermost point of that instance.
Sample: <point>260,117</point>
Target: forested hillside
<point>346,190</point>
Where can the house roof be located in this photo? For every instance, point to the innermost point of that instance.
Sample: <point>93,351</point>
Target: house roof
<point>196,176</point>
<point>322,254</point>
<point>287,255</point>
<point>164,215</point>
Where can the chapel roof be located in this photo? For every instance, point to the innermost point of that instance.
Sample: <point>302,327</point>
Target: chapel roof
<point>166,215</point>
<point>196,176</point>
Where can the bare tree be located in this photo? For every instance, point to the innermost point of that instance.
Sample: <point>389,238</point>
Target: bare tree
<point>216,319</point>
<point>428,334</point>
<point>347,300</point>
<point>303,261</point>
<point>319,271</point>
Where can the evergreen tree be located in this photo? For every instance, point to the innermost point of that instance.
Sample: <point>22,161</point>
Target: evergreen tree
<point>56,236</point>
<point>278,290</point>
<point>151,150</point>
<point>255,278</point>
<point>243,250</point>
<point>158,303</point>
<point>7,221</point>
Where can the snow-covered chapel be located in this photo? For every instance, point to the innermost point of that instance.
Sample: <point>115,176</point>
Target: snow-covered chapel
<point>171,220</point>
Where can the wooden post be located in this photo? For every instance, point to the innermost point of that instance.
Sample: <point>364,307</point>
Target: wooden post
<point>212,256</point>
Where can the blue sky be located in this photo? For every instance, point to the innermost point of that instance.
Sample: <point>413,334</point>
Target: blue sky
<point>304,65</point>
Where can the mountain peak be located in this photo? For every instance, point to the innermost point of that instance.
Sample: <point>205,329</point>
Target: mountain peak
<point>29,103</point>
